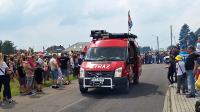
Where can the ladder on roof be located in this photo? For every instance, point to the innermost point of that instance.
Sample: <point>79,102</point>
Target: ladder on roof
<point>101,34</point>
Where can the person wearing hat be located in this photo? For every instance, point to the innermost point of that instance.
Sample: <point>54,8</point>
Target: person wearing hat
<point>181,74</point>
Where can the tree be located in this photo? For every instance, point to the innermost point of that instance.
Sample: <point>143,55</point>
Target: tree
<point>145,49</point>
<point>31,50</point>
<point>197,33</point>
<point>8,47</point>
<point>1,45</point>
<point>192,39</point>
<point>184,35</point>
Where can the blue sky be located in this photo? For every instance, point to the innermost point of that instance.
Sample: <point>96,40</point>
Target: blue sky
<point>38,23</point>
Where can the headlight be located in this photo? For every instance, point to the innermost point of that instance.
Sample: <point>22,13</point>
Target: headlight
<point>82,73</point>
<point>118,72</point>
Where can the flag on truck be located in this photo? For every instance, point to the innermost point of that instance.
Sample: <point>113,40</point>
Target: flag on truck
<point>130,24</point>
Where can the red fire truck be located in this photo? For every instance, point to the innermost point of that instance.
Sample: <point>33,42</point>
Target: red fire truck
<point>112,61</point>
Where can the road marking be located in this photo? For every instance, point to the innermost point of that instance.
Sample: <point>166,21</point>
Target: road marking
<point>67,106</point>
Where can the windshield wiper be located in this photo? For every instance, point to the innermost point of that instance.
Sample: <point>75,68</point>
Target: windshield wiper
<point>115,59</point>
<point>90,60</point>
<point>102,58</point>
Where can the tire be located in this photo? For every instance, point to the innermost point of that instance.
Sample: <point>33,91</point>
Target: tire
<point>83,90</point>
<point>126,88</point>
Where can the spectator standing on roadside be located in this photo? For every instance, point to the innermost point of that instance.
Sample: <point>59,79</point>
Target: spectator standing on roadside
<point>29,68</point>
<point>181,75</point>
<point>21,75</point>
<point>54,70</point>
<point>77,64</point>
<point>40,61</point>
<point>46,71</point>
<point>190,66</point>
<point>64,60</point>
<point>171,70</point>
<point>39,76</point>
<point>5,71</point>
<point>157,57</point>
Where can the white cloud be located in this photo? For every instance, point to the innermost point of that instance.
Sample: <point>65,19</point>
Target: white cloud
<point>190,16</point>
<point>49,22</point>
<point>105,6</point>
<point>35,6</point>
<point>6,6</point>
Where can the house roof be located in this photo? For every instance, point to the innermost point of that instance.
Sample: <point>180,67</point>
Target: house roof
<point>77,46</point>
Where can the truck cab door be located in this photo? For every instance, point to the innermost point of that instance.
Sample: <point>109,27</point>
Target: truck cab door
<point>131,61</point>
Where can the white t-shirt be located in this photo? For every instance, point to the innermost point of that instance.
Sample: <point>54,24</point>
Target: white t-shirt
<point>198,47</point>
<point>40,61</point>
<point>72,62</point>
<point>53,64</point>
<point>179,68</point>
<point>3,68</point>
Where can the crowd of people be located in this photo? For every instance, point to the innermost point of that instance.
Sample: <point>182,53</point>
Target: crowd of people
<point>153,57</point>
<point>32,71</point>
<point>184,65</point>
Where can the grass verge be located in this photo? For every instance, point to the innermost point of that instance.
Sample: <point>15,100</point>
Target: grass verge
<point>14,84</point>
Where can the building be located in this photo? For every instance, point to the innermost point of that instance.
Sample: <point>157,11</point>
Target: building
<point>79,46</point>
<point>55,49</point>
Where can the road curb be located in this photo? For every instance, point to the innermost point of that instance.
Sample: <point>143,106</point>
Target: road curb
<point>178,102</point>
<point>168,102</point>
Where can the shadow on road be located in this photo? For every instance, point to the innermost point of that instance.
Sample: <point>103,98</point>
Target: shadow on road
<point>142,89</point>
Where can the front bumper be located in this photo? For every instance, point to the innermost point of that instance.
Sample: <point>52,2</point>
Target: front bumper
<point>107,83</point>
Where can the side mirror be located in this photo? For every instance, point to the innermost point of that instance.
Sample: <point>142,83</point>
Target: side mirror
<point>130,60</point>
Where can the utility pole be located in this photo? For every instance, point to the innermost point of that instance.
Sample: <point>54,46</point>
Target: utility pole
<point>158,44</point>
<point>171,34</point>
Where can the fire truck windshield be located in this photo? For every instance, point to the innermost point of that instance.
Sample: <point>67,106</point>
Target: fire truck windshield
<point>106,54</point>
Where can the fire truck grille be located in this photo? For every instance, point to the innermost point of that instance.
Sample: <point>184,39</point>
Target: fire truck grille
<point>100,74</point>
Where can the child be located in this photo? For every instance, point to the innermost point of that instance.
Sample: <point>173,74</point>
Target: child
<point>39,77</point>
<point>181,74</point>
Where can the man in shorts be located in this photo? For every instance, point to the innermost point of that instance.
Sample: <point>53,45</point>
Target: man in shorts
<point>54,69</point>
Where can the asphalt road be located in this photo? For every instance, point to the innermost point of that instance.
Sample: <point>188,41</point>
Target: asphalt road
<point>148,96</point>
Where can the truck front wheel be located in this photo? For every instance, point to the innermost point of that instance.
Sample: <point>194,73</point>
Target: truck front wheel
<point>126,88</point>
<point>83,90</point>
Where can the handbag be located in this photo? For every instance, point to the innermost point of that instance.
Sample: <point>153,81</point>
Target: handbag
<point>184,74</point>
